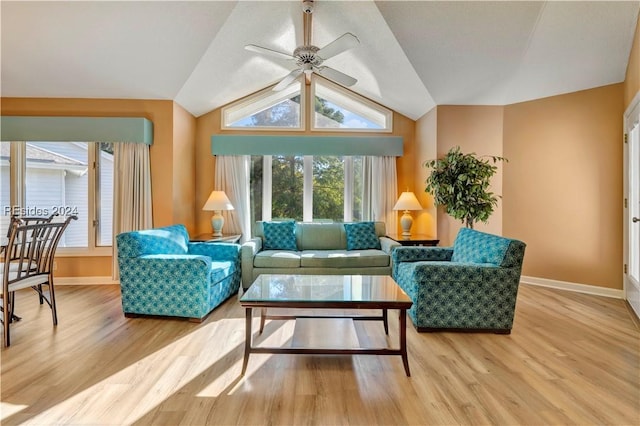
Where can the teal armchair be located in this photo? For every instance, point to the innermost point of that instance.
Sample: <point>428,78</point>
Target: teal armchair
<point>471,286</point>
<point>162,273</point>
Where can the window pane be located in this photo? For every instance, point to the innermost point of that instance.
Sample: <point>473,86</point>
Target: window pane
<point>5,186</point>
<point>255,188</point>
<point>104,210</point>
<point>358,188</point>
<point>328,188</point>
<point>287,184</point>
<point>266,109</point>
<point>57,182</point>
<point>337,108</point>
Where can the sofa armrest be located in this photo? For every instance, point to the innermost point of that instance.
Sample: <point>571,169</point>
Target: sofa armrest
<point>248,251</point>
<point>216,251</point>
<point>387,244</point>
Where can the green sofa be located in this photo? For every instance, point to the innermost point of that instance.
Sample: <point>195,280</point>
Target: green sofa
<point>321,249</point>
<point>471,286</point>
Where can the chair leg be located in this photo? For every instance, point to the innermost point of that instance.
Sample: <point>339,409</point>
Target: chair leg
<point>52,301</point>
<point>6,317</point>
<point>40,296</point>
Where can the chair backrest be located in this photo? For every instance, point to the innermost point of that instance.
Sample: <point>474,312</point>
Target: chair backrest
<point>30,251</point>
<point>28,220</point>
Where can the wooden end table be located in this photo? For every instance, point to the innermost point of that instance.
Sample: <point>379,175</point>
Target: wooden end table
<point>208,238</point>
<point>414,240</point>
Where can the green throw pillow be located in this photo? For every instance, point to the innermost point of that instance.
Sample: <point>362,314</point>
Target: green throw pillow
<point>361,236</point>
<point>279,235</point>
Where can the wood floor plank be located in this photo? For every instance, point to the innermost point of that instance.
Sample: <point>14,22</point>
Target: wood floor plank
<point>571,359</point>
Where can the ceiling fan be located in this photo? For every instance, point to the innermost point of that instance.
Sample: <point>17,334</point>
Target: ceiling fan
<point>309,58</point>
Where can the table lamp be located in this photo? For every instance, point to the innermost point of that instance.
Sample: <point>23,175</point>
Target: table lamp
<point>407,202</point>
<point>217,202</point>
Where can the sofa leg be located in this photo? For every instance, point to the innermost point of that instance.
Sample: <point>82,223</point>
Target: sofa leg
<point>130,315</point>
<point>196,320</point>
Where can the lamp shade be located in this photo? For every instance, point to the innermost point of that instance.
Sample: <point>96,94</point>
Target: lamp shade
<point>218,201</point>
<point>407,201</point>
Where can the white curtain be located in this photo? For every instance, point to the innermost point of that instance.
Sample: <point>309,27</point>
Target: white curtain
<point>232,177</point>
<point>381,191</point>
<point>131,192</point>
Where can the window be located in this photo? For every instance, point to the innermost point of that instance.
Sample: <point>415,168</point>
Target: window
<point>333,108</point>
<point>62,178</point>
<point>306,188</point>
<point>267,110</point>
<point>336,108</point>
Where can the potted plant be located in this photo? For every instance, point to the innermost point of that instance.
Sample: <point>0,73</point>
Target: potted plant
<point>460,182</point>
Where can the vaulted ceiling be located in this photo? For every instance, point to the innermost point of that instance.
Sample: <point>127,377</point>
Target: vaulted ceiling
<point>412,55</point>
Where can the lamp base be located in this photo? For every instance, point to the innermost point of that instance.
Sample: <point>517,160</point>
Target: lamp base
<point>405,223</point>
<point>217,222</point>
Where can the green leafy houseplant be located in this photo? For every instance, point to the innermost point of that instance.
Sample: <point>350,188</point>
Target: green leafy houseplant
<point>460,182</point>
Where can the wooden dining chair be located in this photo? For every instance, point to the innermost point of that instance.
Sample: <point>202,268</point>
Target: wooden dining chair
<point>28,262</point>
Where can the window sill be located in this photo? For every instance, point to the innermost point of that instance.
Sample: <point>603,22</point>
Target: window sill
<point>83,252</point>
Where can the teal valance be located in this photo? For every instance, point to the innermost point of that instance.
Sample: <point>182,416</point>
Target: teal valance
<point>306,145</point>
<point>77,129</point>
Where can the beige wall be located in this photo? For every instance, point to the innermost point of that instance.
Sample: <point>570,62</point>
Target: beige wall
<point>563,185</point>
<point>426,143</point>
<point>184,170</point>
<point>210,124</point>
<point>171,180</point>
<point>632,79</point>
<point>474,129</point>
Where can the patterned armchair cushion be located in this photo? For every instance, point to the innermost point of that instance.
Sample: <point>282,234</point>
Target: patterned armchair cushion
<point>361,236</point>
<point>279,235</point>
<point>479,247</point>
<point>167,240</point>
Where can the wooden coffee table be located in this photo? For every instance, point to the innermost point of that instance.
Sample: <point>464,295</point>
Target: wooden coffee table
<point>326,292</point>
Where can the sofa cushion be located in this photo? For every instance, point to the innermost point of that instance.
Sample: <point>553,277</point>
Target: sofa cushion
<point>473,246</point>
<point>320,236</point>
<point>361,236</point>
<point>221,270</point>
<point>277,259</point>
<point>344,259</point>
<point>279,235</point>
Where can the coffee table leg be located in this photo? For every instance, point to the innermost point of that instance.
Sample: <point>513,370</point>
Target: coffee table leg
<point>403,340</point>
<point>263,314</point>
<point>247,341</point>
<point>385,322</point>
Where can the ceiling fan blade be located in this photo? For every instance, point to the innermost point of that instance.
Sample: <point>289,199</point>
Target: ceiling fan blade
<point>335,75</point>
<point>269,52</point>
<point>344,42</point>
<point>287,80</point>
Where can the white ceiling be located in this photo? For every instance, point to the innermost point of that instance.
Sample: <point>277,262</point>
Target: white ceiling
<point>413,55</point>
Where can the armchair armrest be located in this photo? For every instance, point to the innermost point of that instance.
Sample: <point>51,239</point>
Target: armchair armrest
<point>387,244</point>
<point>417,254</point>
<point>216,251</point>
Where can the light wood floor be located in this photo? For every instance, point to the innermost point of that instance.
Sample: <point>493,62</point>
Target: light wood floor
<point>571,359</point>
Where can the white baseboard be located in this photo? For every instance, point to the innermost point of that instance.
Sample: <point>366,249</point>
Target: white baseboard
<point>85,281</point>
<point>579,288</point>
